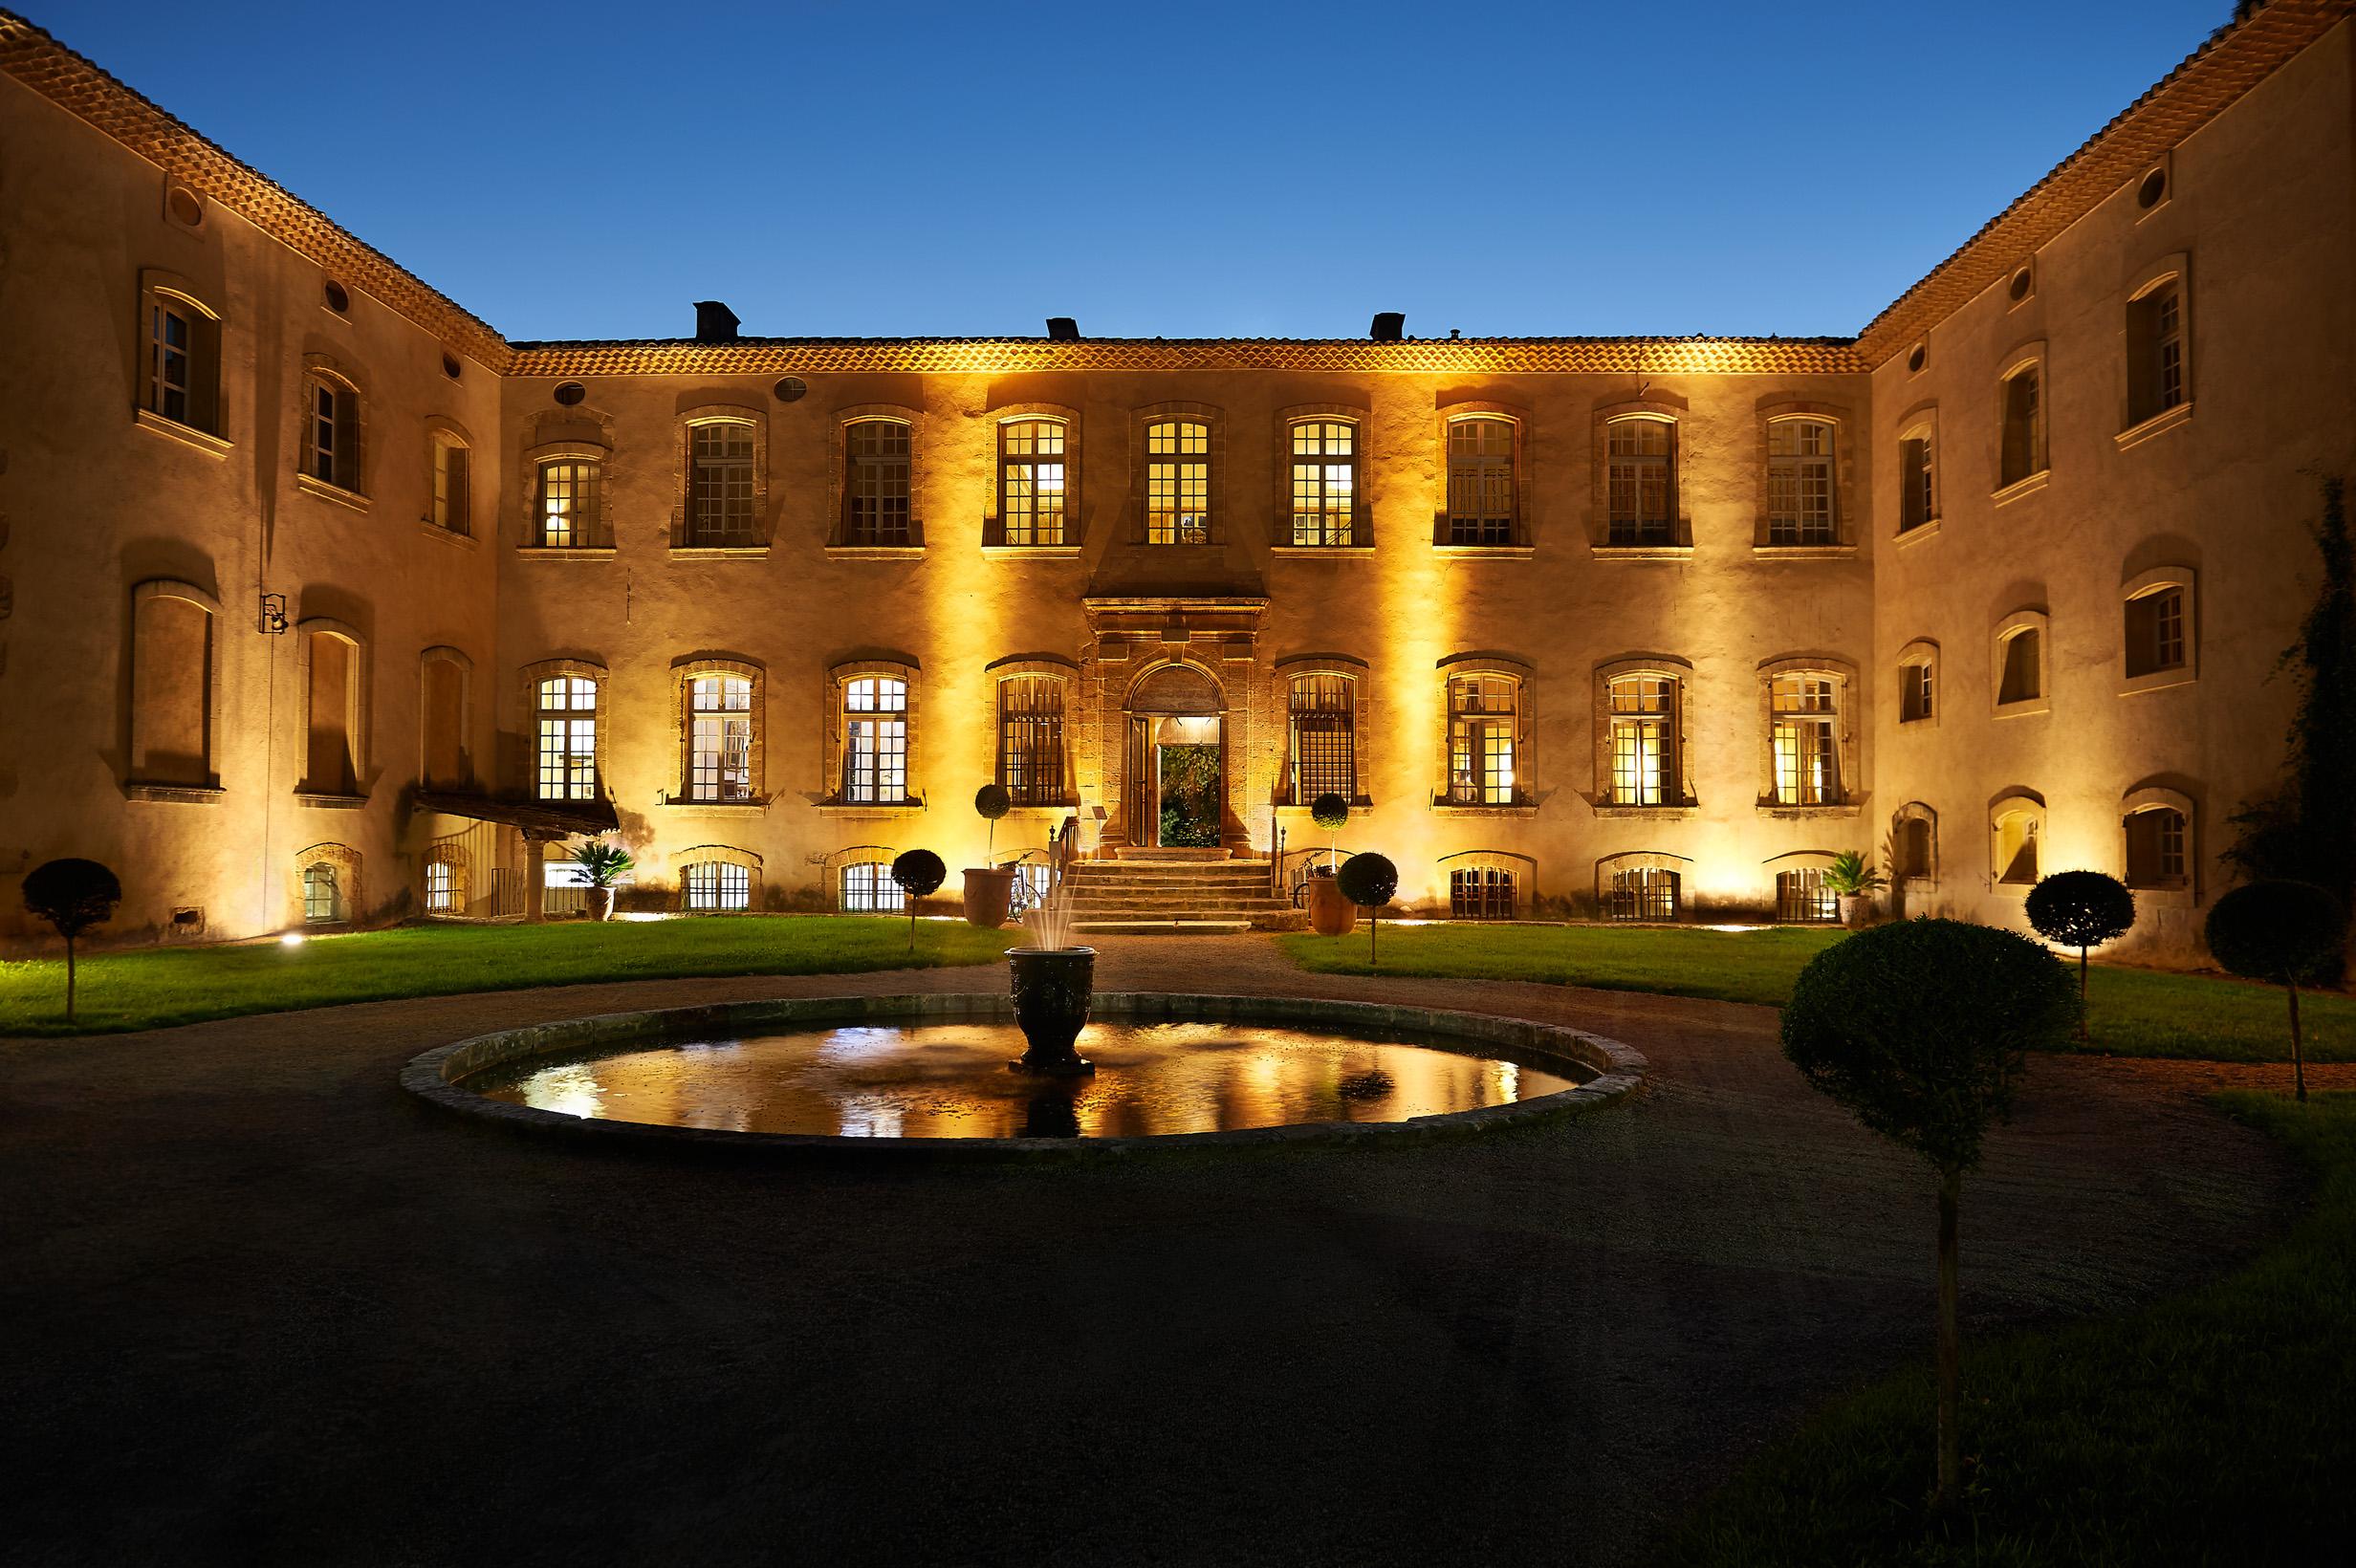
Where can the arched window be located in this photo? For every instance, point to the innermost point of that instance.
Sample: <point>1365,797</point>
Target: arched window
<point>877,506</point>
<point>445,679</point>
<point>875,739</point>
<point>1641,483</point>
<point>1032,492</point>
<point>1914,844</point>
<point>2159,627</point>
<point>1801,485</point>
<point>1031,757</point>
<point>331,429</point>
<point>566,715</point>
<point>1483,722</point>
<point>1481,892</point>
<point>1324,488</point>
<point>2157,839</point>
<point>1322,714</point>
<point>569,505</point>
<point>443,894</point>
<point>720,721</point>
<point>2155,350</point>
<point>2016,824</point>
<point>1918,475</point>
<point>174,676</point>
<point>1801,898</point>
<point>1482,500</point>
<point>1642,717</point>
<point>2022,451</point>
<point>182,336</point>
<point>1918,682</point>
<point>1805,721</point>
<point>1178,482</point>
<point>335,683</point>
<point>722,509</point>
<point>327,877</point>
<point>714,878</point>
<point>1641,893</point>
<point>453,503</point>
<point>2020,664</point>
<point>323,896</point>
<point>867,888</point>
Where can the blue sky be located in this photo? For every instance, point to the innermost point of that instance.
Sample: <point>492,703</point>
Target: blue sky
<point>587,170</point>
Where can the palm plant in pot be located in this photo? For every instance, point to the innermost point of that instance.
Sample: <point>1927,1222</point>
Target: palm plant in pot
<point>601,865</point>
<point>989,888</point>
<point>1853,879</point>
<point>1330,914</point>
<point>1054,979</point>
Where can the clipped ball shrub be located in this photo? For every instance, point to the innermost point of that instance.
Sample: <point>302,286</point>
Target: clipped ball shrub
<point>991,801</point>
<point>1329,810</point>
<point>72,895</point>
<point>2289,933</point>
<point>2080,909</point>
<point>1368,881</point>
<point>918,872</point>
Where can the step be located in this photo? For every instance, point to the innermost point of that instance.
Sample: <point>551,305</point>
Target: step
<point>1175,860</point>
<point>1160,928</point>
<point>1084,906</point>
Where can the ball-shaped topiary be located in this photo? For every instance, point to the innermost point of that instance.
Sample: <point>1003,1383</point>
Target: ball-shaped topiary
<point>2080,909</point>
<point>2285,931</point>
<point>918,872</point>
<point>1368,881</point>
<point>72,895</point>
<point>1329,810</point>
<point>990,803</point>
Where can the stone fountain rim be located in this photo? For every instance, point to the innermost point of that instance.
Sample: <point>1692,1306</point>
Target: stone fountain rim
<point>438,1074</point>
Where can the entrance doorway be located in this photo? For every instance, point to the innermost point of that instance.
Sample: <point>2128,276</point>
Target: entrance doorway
<point>1186,770</point>
<point>1175,771</point>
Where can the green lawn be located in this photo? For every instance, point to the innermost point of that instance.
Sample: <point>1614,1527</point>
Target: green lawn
<point>152,988</point>
<point>2213,1427</point>
<point>2132,1013</point>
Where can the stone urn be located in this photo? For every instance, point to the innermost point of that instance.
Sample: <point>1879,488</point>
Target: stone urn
<point>988,893</point>
<point>1053,989</point>
<point>1856,911</point>
<point>1330,914</point>
<point>601,902</point>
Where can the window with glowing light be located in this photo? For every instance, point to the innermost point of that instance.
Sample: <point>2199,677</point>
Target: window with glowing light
<point>569,504</point>
<point>720,738</point>
<point>1481,893</point>
<point>1643,716</point>
<point>1031,482</point>
<point>1481,495</point>
<point>1802,899</point>
<point>1031,764</point>
<point>867,888</point>
<point>1325,482</point>
<point>567,715</point>
<point>1800,488</point>
<point>322,896</point>
<point>1322,715</point>
<point>720,509</point>
<point>1481,721</point>
<point>441,888</point>
<point>876,508</point>
<point>711,886</point>
<point>1805,738</point>
<point>1641,893</point>
<point>1640,485</point>
<point>2021,451</point>
<point>1177,482</point>
<point>875,740</point>
<point>2155,849</point>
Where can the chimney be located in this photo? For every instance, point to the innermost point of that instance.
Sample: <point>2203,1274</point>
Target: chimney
<point>714,322</point>
<point>1062,329</point>
<point>1389,326</point>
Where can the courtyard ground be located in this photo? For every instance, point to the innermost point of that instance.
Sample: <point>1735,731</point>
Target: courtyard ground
<point>266,1308</point>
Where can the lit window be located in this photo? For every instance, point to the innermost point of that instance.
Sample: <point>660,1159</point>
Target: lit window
<point>1030,740</point>
<point>1644,741</point>
<point>1480,480</point>
<point>874,487</point>
<point>322,898</point>
<point>570,508</point>
<point>868,888</point>
<point>2023,678</point>
<point>1800,482</point>
<point>2016,830</point>
<point>2155,631</point>
<point>1917,691</point>
<point>720,729</point>
<point>1918,479</point>
<point>331,432</point>
<point>1178,483</point>
<point>1324,737</point>
<point>2155,854</point>
<point>1031,481</point>
<point>1481,893</point>
<point>441,888</point>
<point>568,735</point>
<point>717,884</point>
<point>875,739</point>
<point>1480,740</point>
<point>1802,899</point>
<point>1646,893</point>
<point>720,503</point>
<point>1804,716</point>
<point>2022,454</point>
<point>1325,482</point>
<point>450,498</point>
<point>1641,490</point>
<point>2155,352</point>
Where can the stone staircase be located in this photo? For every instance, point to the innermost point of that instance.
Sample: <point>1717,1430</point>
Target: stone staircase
<point>1175,893</point>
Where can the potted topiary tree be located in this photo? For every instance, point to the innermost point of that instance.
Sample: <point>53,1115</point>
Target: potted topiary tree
<point>1369,882</point>
<point>989,890</point>
<point>1852,879</point>
<point>72,896</point>
<point>1919,1027</point>
<point>2080,909</point>
<point>1330,914</point>
<point>916,873</point>
<point>2281,932</point>
<point>603,864</point>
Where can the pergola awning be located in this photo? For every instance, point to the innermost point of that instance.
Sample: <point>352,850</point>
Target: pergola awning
<point>537,818</point>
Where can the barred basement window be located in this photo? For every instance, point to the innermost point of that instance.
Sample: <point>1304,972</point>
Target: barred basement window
<point>1646,893</point>
<point>720,727</point>
<point>718,884</point>
<point>2022,452</point>
<point>1481,497</point>
<point>1640,486</point>
<point>875,739</point>
<point>1031,741</point>
<point>322,898</point>
<point>1804,716</point>
<point>1644,740</point>
<point>1324,737</point>
<point>868,888</point>
<point>1801,490</point>
<point>1178,483</point>
<point>1481,893</point>
<point>1325,482</point>
<point>1801,898</point>
<point>2155,852</point>
<point>1480,740</point>
<point>1030,488</point>
<point>570,508</point>
<point>440,893</point>
<point>568,738</point>
<point>877,510</point>
<point>720,505</point>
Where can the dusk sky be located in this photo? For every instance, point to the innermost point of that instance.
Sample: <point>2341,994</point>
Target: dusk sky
<point>1204,170</point>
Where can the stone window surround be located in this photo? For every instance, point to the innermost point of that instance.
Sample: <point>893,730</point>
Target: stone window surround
<point>1923,651</point>
<point>527,688</point>
<point>2020,621</point>
<point>1359,416</point>
<point>1777,407</point>
<point>1673,409</point>
<point>174,588</point>
<point>442,431</point>
<point>1844,676</point>
<point>1790,859</point>
<point>836,678</point>
<point>356,703</point>
<point>317,368</point>
<point>1215,420</point>
<point>156,284</point>
<point>2006,803</point>
<point>1522,674</point>
<point>2032,354</point>
<point>443,653</point>
<point>1915,811</point>
<point>347,863</point>
<point>1675,668</point>
<point>1520,419</point>
<point>2146,798</point>
<point>684,672</point>
<point>1645,860</point>
<point>1920,420</point>
<point>2176,266</point>
<point>1030,666</point>
<point>580,434</point>
<point>683,446</point>
<point>831,868</point>
<point>1365,743</point>
<point>718,855</point>
<point>994,533</point>
<point>462,878</point>
<point>2143,586</point>
<point>1523,867</point>
<point>838,511</point>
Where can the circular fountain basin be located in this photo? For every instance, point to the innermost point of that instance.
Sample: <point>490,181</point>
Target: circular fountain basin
<point>931,1074</point>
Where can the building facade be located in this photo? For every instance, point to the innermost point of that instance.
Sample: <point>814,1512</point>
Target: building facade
<point>325,603</point>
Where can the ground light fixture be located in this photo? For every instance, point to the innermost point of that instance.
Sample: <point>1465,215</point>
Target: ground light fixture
<point>292,939</point>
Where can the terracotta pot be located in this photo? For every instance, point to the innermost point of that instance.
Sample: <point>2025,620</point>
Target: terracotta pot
<point>1330,914</point>
<point>1054,987</point>
<point>601,902</point>
<point>988,892</point>
<point>1854,909</point>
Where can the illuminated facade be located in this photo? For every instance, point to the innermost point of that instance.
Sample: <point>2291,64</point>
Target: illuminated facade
<point>324,601</point>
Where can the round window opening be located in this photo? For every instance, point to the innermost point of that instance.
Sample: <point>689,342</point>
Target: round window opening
<point>1914,360</point>
<point>569,393</point>
<point>791,388</point>
<point>449,365</point>
<point>186,209</point>
<point>2154,186</point>
<point>336,299</point>
<point>2020,290</point>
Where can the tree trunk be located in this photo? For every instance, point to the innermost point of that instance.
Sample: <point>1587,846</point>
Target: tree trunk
<point>2298,1053</point>
<point>68,979</point>
<point>911,926</point>
<point>2082,993</point>
<point>1374,924</point>
<point>1950,1349</point>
